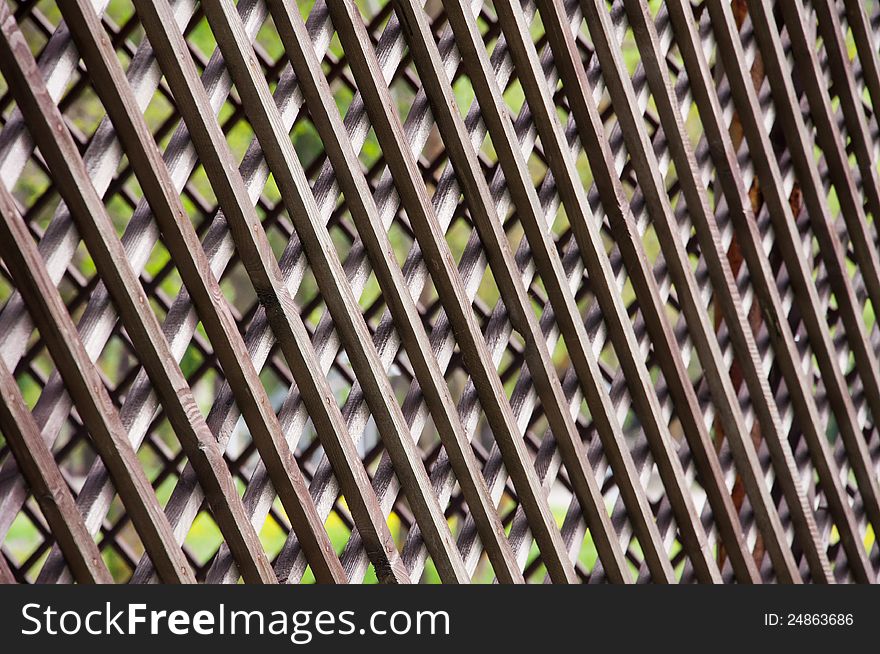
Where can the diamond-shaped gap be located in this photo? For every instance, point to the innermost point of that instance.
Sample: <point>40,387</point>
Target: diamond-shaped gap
<point>343,234</point>
<point>370,155</point>
<point>200,39</point>
<point>76,291</point>
<point>118,541</point>
<point>35,192</point>
<point>335,67</point>
<point>206,376</point>
<point>270,50</point>
<point>161,281</point>
<point>430,574</point>
<point>401,241</point>
<point>35,561</point>
<point>203,540</point>
<point>238,292</point>
<point>401,519</point>
<point>38,24</point>
<point>273,533</point>
<point>161,116</point>
<point>463,394</point>
<point>465,98</point>
<point>373,305</point>
<point>118,364</point>
<point>123,25</point>
<point>24,541</point>
<point>33,369</point>
<point>75,454</point>
<point>307,446</point>
<point>238,131</point>
<point>82,110</point>
<point>161,456</point>
<point>339,527</point>
<point>310,300</point>
<point>404,86</point>
<point>513,94</point>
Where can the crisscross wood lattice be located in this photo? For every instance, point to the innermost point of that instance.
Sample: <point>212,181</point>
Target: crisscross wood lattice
<point>456,290</point>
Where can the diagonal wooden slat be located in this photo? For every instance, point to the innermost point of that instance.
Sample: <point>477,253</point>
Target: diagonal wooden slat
<point>6,576</point>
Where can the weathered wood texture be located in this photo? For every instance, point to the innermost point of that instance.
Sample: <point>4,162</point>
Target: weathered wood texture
<point>456,290</point>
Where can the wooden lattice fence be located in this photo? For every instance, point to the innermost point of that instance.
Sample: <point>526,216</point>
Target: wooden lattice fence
<point>451,291</point>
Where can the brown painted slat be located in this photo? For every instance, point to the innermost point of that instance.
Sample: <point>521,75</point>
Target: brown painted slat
<point>6,576</point>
